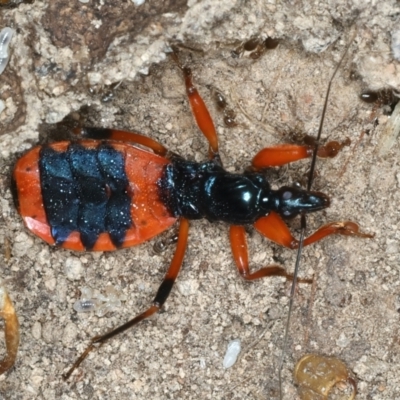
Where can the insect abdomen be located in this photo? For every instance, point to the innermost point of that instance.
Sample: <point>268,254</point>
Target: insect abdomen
<point>91,195</point>
<point>85,190</point>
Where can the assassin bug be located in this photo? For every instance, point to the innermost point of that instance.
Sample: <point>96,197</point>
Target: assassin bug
<point>103,193</point>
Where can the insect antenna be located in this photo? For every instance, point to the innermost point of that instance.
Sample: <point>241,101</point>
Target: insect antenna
<point>303,223</point>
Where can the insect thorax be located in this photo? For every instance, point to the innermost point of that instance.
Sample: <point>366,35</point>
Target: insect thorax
<point>205,190</point>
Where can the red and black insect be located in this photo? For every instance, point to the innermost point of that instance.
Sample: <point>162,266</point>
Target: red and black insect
<point>103,193</point>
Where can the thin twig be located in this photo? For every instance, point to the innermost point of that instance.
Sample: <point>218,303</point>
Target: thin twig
<point>304,224</point>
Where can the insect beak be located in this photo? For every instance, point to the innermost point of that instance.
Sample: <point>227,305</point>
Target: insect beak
<point>294,201</point>
<point>317,201</point>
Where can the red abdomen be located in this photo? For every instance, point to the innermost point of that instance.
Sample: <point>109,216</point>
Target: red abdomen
<point>91,195</point>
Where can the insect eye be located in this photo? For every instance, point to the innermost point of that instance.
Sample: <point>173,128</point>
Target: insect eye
<point>289,214</point>
<point>287,195</point>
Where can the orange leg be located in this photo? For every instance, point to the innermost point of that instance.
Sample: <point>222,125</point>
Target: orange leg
<point>274,228</point>
<point>199,109</point>
<point>286,153</point>
<point>237,236</point>
<point>123,136</point>
<point>161,296</point>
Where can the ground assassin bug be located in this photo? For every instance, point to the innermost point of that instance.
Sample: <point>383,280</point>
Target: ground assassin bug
<point>104,193</point>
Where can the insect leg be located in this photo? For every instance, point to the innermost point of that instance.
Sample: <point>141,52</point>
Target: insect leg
<point>123,136</point>
<point>274,228</point>
<point>277,156</point>
<point>237,236</point>
<point>199,110</point>
<point>160,298</point>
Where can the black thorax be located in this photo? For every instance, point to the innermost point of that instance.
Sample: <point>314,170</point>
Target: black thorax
<point>205,190</point>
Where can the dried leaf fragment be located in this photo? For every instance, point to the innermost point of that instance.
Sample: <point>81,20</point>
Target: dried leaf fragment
<point>11,329</point>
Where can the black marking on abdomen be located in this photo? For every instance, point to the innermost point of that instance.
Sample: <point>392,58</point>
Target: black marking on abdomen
<point>59,192</point>
<point>85,190</point>
<point>118,213</point>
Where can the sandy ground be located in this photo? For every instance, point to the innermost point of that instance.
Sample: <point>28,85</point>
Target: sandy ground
<point>352,309</point>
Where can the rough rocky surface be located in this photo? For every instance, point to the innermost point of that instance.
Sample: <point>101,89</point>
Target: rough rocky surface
<point>69,57</point>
